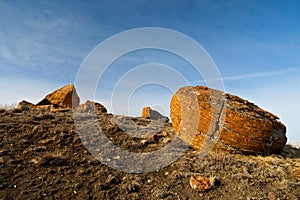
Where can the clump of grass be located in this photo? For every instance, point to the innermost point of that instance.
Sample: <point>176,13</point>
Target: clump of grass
<point>13,108</point>
<point>8,106</point>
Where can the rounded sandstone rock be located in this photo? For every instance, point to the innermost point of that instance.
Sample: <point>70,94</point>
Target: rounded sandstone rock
<point>203,116</point>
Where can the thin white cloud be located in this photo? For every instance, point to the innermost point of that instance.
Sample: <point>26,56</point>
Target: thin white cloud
<point>40,42</point>
<point>277,92</point>
<point>265,74</point>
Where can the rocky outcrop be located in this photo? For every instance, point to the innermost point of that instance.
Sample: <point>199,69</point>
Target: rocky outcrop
<point>25,105</point>
<point>148,113</point>
<point>207,117</point>
<point>65,97</point>
<point>60,100</point>
<point>93,106</point>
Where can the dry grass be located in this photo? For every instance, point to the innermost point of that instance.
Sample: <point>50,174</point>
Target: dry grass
<point>8,106</point>
<point>42,153</point>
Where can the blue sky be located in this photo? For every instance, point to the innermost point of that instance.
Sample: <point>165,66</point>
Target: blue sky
<point>255,45</point>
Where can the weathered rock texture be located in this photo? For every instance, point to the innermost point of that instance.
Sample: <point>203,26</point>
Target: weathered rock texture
<point>148,113</point>
<point>25,105</point>
<point>65,97</point>
<point>201,183</point>
<point>204,117</point>
<point>93,107</point>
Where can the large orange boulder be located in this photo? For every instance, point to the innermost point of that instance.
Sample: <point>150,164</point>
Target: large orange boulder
<point>65,97</point>
<point>204,117</point>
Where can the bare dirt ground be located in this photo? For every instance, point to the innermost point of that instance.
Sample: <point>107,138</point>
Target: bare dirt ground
<point>43,156</point>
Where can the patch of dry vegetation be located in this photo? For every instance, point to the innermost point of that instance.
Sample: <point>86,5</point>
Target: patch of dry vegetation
<point>8,106</point>
<point>42,155</point>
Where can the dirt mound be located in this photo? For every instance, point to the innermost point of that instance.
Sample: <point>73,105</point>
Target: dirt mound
<point>43,156</point>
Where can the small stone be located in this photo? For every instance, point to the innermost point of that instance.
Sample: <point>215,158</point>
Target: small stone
<point>201,183</point>
<point>34,161</point>
<point>117,157</point>
<point>144,141</point>
<point>271,196</point>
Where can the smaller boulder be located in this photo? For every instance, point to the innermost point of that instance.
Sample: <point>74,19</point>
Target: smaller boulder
<point>93,106</point>
<point>148,113</point>
<point>63,98</point>
<point>25,105</point>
